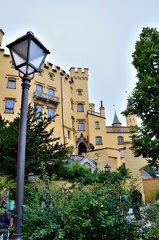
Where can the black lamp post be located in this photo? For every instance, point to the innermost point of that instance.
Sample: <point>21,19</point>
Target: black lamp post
<point>28,54</point>
<point>107,168</point>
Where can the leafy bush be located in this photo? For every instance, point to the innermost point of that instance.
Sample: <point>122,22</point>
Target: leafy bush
<point>76,172</point>
<point>79,173</point>
<point>111,177</point>
<point>156,194</point>
<point>8,182</point>
<point>92,212</point>
<point>151,218</point>
<point>125,172</point>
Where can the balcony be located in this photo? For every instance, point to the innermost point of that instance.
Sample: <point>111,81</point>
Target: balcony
<point>93,113</point>
<point>46,97</point>
<point>110,129</point>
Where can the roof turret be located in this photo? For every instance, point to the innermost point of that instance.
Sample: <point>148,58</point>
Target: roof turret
<point>116,121</point>
<point>128,105</point>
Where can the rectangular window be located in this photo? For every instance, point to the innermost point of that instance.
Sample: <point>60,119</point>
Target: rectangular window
<point>51,113</point>
<point>81,126</point>
<point>51,91</point>
<point>39,88</point>
<point>80,107</point>
<point>121,153</point>
<point>11,82</point>
<point>38,111</point>
<point>98,140</point>
<point>9,108</point>
<point>96,125</point>
<point>120,140</point>
<point>79,92</point>
<point>69,134</point>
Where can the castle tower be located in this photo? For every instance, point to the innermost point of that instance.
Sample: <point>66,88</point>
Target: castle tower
<point>81,107</point>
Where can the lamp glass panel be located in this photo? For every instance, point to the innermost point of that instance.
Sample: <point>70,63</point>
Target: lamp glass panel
<point>19,52</point>
<point>26,69</point>
<point>36,55</point>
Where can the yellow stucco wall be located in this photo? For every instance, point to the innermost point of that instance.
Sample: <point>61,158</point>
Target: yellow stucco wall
<point>104,156</point>
<point>150,186</point>
<point>135,164</point>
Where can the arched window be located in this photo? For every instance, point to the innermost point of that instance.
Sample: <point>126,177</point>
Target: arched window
<point>80,107</point>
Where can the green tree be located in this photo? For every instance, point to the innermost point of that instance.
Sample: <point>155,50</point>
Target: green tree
<point>41,146</point>
<point>144,100</point>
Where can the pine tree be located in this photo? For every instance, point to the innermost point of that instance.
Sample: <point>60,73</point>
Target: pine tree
<point>41,147</point>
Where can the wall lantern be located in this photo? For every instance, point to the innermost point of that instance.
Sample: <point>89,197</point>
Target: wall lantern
<point>107,168</point>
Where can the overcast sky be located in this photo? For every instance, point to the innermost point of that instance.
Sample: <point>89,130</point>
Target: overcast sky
<point>96,34</point>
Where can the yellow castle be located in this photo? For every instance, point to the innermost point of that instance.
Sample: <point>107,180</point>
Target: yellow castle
<point>93,143</point>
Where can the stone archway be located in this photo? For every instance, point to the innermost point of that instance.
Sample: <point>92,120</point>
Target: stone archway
<point>87,165</point>
<point>82,144</point>
<point>82,148</point>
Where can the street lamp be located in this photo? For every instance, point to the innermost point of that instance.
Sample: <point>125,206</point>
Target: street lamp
<point>107,168</point>
<point>28,54</point>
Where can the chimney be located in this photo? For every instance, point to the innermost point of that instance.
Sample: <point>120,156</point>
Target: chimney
<point>1,36</point>
<point>102,109</point>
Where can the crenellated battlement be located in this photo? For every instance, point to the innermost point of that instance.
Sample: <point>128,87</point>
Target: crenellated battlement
<point>79,73</point>
<point>50,66</point>
<point>56,69</point>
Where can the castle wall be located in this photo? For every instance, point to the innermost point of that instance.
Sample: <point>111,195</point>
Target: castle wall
<point>135,164</point>
<point>96,131</point>
<point>70,90</point>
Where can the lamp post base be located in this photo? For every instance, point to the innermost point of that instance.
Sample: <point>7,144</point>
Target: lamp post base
<point>17,237</point>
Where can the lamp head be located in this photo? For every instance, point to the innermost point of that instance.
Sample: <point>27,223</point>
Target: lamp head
<point>28,53</point>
